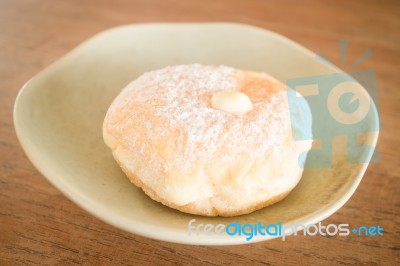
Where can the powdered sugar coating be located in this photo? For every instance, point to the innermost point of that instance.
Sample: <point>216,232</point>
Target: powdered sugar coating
<point>180,96</point>
<point>163,129</point>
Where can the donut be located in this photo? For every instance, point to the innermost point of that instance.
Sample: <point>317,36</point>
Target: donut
<point>207,140</point>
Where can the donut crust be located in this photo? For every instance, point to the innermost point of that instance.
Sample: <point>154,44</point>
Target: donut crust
<point>191,207</point>
<point>185,154</point>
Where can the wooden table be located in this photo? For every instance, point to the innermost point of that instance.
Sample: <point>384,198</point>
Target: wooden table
<point>38,225</point>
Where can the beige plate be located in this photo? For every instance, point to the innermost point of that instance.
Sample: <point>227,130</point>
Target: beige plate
<point>59,113</point>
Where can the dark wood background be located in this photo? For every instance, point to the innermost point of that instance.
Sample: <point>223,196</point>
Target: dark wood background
<point>38,225</point>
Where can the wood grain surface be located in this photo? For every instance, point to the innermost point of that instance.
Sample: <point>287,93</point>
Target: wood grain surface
<point>38,225</point>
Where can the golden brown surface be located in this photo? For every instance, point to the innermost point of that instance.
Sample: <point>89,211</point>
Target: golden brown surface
<point>204,175</point>
<point>191,208</point>
<point>38,225</point>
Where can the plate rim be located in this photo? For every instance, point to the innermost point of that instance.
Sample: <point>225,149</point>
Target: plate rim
<point>151,232</point>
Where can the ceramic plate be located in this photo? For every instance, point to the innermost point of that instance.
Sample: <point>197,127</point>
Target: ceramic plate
<point>59,113</point>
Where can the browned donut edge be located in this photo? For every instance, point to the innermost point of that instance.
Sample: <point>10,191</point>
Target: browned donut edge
<point>191,208</point>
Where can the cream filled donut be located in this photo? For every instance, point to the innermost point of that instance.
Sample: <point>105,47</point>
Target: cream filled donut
<point>207,140</point>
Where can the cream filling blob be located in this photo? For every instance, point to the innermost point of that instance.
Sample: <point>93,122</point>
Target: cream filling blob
<point>231,101</point>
